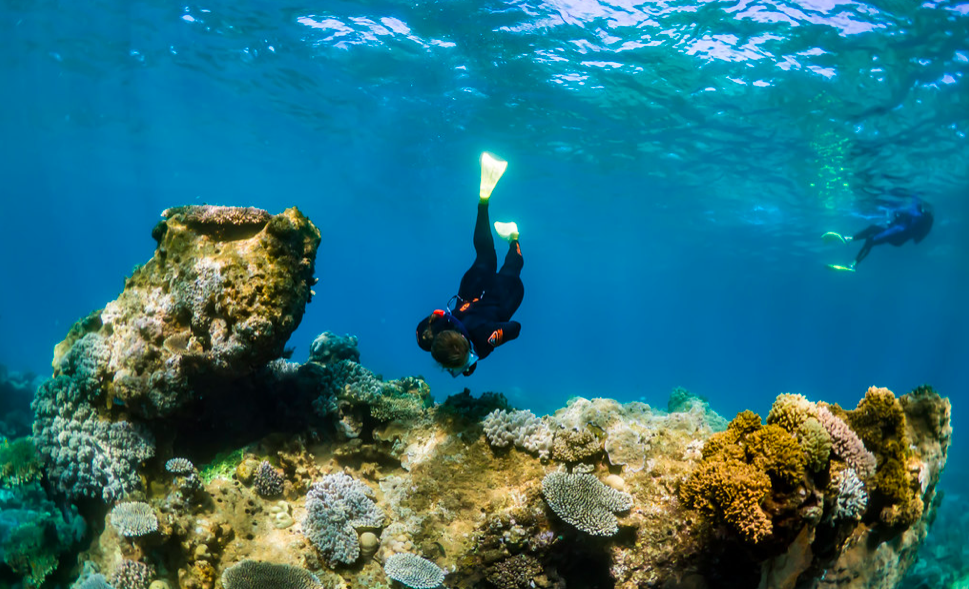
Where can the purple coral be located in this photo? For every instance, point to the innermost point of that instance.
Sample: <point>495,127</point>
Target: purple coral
<point>335,507</point>
<point>846,444</point>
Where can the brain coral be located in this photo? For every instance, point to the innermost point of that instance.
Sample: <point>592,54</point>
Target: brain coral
<point>133,519</point>
<point>335,507</point>
<point>251,574</point>
<point>583,501</point>
<point>413,571</point>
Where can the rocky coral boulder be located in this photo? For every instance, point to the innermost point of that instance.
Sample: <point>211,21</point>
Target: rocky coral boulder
<point>222,294</point>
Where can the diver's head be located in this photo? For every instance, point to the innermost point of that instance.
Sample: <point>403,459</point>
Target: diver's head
<point>451,349</point>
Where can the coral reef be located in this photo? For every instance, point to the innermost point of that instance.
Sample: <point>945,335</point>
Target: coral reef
<point>16,391</point>
<point>221,295</point>
<point>323,474</point>
<point>19,463</point>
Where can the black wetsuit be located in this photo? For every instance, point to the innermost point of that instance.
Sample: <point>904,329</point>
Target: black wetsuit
<point>487,296</point>
<point>913,223</point>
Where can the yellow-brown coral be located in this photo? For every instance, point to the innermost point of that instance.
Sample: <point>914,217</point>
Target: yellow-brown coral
<point>880,423</point>
<point>732,491</point>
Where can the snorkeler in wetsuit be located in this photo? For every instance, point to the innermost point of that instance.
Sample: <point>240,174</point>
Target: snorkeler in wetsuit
<point>480,320</point>
<point>913,222</point>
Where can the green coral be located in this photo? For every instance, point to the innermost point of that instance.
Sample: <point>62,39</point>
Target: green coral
<point>816,443</point>
<point>222,466</point>
<point>19,462</point>
<point>790,411</point>
<point>879,421</point>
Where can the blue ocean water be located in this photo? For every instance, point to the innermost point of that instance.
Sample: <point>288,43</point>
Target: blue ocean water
<point>673,165</point>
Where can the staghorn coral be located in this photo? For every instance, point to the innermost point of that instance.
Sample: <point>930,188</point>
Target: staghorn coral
<point>583,501</point>
<point>335,507</point>
<point>251,574</point>
<point>133,519</point>
<point>413,571</point>
<point>267,481</point>
<point>846,444</point>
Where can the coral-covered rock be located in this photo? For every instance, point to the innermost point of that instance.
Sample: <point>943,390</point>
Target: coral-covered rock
<point>223,292</point>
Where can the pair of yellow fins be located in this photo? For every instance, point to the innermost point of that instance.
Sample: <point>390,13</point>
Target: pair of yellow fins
<point>831,237</point>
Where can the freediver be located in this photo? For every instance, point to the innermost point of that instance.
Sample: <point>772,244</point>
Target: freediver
<point>480,319</point>
<point>911,222</point>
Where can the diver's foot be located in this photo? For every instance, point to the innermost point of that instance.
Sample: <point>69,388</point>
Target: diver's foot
<point>841,268</point>
<point>831,236</point>
<point>507,231</point>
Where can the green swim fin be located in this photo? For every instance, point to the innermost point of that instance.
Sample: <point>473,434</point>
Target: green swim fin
<point>831,236</point>
<point>841,268</point>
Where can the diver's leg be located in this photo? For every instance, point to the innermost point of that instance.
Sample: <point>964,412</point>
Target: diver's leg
<point>484,242</point>
<point>480,276</point>
<point>513,260</point>
<point>867,232</point>
<point>863,253</point>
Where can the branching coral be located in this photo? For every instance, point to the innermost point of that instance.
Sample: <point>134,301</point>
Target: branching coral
<point>267,481</point>
<point>517,572</point>
<point>19,463</point>
<point>733,492</point>
<point>570,445</point>
<point>846,444</point>
<point>850,498</point>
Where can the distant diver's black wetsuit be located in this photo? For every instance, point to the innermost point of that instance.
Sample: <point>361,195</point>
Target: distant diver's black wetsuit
<point>487,297</point>
<point>913,223</point>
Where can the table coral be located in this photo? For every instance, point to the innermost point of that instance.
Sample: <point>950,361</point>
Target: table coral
<point>583,501</point>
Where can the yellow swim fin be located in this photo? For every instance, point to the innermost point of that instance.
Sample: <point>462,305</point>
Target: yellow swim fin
<point>841,268</point>
<point>831,236</point>
<point>491,170</point>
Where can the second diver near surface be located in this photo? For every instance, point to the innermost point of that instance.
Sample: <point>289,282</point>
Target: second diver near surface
<point>478,319</point>
<point>912,222</point>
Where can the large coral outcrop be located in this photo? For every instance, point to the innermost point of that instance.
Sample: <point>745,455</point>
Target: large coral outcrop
<point>223,292</point>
